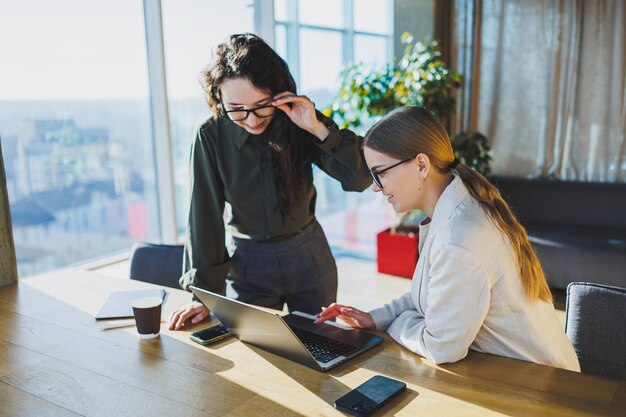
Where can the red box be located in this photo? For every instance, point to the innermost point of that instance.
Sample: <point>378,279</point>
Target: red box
<point>397,253</point>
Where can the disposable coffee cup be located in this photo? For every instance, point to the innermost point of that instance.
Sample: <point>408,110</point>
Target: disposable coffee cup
<point>147,312</point>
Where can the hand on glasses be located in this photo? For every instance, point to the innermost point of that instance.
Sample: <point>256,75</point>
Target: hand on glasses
<point>301,111</point>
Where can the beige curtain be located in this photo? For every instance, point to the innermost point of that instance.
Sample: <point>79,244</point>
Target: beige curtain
<point>544,80</point>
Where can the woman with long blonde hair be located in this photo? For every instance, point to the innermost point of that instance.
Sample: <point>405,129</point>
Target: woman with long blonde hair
<point>478,283</point>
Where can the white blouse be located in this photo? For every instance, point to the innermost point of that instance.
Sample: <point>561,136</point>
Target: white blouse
<point>467,294</point>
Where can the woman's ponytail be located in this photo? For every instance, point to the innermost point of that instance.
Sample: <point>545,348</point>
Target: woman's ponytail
<point>533,278</point>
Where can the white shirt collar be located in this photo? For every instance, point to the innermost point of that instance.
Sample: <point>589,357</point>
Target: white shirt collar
<point>449,200</point>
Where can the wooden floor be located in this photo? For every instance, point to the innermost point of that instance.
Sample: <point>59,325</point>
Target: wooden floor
<point>353,273</point>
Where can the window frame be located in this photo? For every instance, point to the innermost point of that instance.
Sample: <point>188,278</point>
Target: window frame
<point>293,26</point>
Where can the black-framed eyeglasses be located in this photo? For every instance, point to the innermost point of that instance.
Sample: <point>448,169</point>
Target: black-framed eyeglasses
<point>375,174</point>
<point>242,114</point>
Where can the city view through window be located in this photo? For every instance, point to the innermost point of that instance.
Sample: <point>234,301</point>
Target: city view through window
<point>75,120</point>
<point>74,124</point>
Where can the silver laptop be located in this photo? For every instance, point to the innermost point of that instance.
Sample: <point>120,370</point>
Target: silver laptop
<point>294,336</point>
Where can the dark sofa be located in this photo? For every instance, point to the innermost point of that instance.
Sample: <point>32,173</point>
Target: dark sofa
<point>577,228</point>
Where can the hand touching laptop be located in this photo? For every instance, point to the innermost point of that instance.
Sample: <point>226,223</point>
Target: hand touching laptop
<point>351,316</point>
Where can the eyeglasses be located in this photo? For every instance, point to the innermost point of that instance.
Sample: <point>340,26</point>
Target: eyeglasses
<point>242,114</point>
<point>376,174</point>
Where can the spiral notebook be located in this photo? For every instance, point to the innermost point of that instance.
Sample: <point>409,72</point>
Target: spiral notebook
<point>117,306</point>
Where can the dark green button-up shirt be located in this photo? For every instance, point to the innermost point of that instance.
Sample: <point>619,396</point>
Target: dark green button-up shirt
<point>229,165</point>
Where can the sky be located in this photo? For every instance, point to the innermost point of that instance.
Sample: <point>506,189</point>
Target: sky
<point>95,49</point>
<point>87,49</point>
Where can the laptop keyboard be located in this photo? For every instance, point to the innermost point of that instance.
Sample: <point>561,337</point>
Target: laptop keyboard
<point>322,348</point>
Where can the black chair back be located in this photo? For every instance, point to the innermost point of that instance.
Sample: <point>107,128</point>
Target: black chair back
<point>157,264</point>
<point>595,323</point>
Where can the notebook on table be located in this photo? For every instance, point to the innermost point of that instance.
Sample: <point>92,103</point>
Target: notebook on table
<point>294,336</point>
<point>117,306</point>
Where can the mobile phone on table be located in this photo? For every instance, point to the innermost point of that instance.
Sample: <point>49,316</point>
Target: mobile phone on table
<point>210,334</point>
<point>370,396</point>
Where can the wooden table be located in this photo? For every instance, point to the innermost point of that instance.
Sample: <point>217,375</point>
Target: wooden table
<point>55,360</point>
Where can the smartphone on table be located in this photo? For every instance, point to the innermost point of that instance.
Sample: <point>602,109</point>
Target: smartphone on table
<point>210,335</point>
<point>370,396</point>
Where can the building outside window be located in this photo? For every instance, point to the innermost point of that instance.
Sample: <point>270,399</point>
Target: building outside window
<point>74,123</point>
<point>75,119</point>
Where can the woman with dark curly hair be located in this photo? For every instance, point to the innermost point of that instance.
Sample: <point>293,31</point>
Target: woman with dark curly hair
<point>255,153</point>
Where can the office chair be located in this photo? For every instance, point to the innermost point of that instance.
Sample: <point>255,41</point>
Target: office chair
<point>157,264</point>
<point>595,323</point>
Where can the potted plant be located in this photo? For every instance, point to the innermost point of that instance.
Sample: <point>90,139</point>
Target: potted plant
<point>420,78</point>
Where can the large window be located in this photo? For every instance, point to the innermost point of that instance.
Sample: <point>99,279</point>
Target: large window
<point>192,30</point>
<point>74,123</point>
<point>75,109</point>
<point>318,39</point>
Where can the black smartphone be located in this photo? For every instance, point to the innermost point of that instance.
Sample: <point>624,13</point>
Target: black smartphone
<point>210,334</point>
<point>370,396</point>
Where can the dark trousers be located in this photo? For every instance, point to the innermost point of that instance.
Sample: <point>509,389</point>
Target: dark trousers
<point>299,271</point>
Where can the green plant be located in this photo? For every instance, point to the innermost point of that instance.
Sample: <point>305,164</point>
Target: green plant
<point>418,78</point>
<point>472,149</point>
